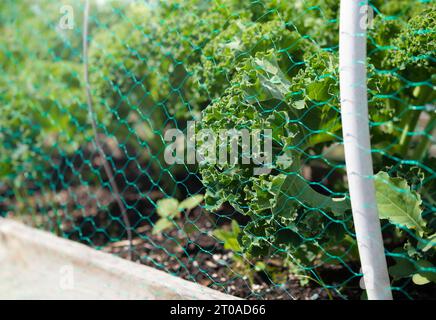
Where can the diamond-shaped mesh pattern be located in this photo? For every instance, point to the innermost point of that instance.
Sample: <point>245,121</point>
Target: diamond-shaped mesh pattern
<point>269,67</point>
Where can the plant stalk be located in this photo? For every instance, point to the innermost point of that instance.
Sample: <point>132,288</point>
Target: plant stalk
<point>410,120</point>
<point>98,145</point>
<point>423,146</point>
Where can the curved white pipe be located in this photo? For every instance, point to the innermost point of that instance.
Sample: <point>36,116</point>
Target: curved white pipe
<point>355,126</point>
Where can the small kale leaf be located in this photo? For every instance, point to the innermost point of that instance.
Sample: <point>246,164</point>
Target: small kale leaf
<point>398,203</point>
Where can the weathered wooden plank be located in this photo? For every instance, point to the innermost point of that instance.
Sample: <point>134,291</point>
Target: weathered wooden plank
<point>35,264</point>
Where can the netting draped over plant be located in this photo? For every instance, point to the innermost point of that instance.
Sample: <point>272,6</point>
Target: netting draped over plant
<point>260,209</point>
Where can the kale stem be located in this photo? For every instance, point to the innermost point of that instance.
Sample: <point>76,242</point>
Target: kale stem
<point>407,129</point>
<point>411,118</point>
<point>423,146</point>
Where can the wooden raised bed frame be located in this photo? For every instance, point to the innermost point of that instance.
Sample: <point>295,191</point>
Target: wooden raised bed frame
<point>35,264</point>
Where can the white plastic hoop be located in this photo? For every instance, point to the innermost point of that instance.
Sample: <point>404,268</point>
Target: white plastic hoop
<point>355,126</point>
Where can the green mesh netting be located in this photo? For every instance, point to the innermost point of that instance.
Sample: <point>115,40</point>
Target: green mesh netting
<point>106,160</point>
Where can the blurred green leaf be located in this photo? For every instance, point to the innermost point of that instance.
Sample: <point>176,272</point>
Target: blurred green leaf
<point>162,225</point>
<point>229,237</point>
<point>419,280</point>
<point>168,208</point>
<point>191,202</point>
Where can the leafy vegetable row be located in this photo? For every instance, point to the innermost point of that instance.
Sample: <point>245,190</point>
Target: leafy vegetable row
<point>269,64</point>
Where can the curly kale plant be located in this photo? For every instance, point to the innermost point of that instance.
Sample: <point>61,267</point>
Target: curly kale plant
<point>264,75</point>
<point>268,92</point>
<point>43,112</point>
<point>254,65</point>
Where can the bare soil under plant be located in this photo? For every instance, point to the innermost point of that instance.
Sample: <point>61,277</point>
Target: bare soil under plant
<point>89,214</point>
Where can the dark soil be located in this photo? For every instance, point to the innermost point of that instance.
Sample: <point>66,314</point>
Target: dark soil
<point>90,215</point>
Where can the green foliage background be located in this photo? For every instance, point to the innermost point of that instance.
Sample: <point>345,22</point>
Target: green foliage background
<point>227,64</point>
